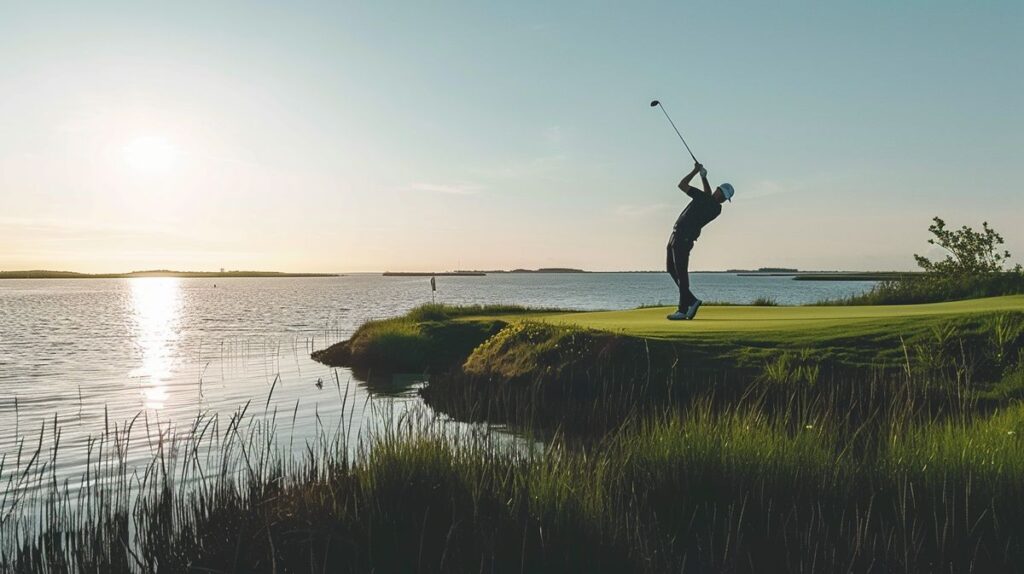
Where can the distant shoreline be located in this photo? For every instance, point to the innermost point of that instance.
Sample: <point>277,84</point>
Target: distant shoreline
<point>796,275</point>
<point>44,274</point>
<point>479,273</point>
<point>441,274</point>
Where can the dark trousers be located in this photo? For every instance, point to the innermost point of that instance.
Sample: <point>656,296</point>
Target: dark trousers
<point>678,265</point>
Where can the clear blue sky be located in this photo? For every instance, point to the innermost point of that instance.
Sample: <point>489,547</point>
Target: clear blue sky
<point>343,136</point>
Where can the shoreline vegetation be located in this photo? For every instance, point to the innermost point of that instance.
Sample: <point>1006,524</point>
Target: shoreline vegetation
<point>514,365</point>
<point>45,274</point>
<point>628,457</point>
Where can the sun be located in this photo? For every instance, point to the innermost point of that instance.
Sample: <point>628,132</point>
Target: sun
<point>149,154</point>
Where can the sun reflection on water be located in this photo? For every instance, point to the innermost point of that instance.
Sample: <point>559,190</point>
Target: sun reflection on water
<point>156,307</point>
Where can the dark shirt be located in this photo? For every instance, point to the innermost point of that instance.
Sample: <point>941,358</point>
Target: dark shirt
<point>702,210</point>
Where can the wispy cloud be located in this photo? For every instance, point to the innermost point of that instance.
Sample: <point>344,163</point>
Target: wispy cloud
<point>635,210</point>
<point>59,228</point>
<point>765,188</point>
<point>447,188</point>
<point>542,167</point>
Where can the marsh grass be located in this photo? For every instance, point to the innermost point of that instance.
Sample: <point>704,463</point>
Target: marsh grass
<point>443,312</point>
<point>796,467</point>
<point>790,478</point>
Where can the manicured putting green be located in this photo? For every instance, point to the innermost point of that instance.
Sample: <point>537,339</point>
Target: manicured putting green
<point>837,320</point>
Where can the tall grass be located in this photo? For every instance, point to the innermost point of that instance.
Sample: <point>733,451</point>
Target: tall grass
<point>794,466</point>
<point>443,312</point>
<point>865,476</point>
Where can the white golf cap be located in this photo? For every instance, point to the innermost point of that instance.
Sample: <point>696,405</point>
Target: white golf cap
<point>727,190</point>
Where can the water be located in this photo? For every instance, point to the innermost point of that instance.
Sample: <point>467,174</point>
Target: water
<point>87,353</point>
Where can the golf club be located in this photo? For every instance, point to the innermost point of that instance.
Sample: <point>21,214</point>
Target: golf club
<point>656,103</point>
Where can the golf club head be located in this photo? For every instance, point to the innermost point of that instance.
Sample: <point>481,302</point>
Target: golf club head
<point>655,103</point>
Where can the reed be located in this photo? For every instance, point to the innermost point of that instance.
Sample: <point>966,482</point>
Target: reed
<point>890,472</point>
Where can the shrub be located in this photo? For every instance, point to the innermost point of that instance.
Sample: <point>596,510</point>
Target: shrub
<point>974,267</point>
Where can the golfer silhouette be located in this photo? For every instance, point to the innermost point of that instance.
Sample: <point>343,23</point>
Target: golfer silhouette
<point>705,205</point>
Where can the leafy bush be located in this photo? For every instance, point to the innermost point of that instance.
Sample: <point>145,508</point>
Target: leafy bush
<point>968,251</point>
<point>974,267</point>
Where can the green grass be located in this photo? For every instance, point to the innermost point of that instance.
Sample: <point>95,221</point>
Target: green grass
<point>643,465</point>
<point>796,481</point>
<point>855,335</point>
<point>438,337</point>
<point>783,323</point>
<point>789,466</point>
<point>586,372</point>
<point>738,336</point>
<point>427,338</point>
<point>580,371</point>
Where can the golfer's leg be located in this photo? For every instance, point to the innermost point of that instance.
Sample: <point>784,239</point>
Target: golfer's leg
<point>670,265</point>
<point>679,257</point>
<point>690,298</point>
<point>682,256</point>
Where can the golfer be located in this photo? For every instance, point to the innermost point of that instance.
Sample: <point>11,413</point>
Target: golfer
<point>704,207</point>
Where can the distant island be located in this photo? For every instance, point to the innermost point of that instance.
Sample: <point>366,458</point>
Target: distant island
<point>428,274</point>
<point>824,275</point>
<point>46,274</point>
<point>549,270</point>
<point>764,270</point>
<point>855,275</point>
<point>479,273</point>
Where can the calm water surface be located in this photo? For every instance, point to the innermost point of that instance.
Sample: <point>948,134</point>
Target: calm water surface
<point>88,353</point>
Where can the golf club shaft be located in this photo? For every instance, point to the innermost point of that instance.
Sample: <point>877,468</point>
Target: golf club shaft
<point>677,132</point>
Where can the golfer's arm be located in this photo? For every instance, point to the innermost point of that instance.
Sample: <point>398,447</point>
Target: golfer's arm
<point>685,184</point>
<point>707,186</point>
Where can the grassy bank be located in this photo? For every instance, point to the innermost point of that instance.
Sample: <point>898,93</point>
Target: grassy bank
<point>734,335</point>
<point>427,338</point>
<point>646,465</point>
<point>590,371</point>
<point>779,477</point>
<point>786,324</point>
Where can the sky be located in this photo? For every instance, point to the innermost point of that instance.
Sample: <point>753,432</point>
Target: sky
<point>415,136</point>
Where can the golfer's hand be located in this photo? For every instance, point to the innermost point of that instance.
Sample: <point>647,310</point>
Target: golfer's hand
<point>697,167</point>
<point>703,172</point>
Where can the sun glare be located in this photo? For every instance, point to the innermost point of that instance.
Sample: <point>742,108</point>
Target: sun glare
<point>156,305</point>
<point>149,154</point>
